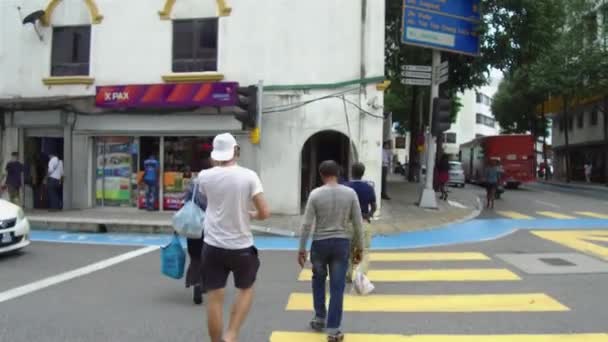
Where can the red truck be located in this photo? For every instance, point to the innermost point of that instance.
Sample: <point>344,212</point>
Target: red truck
<point>515,152</point>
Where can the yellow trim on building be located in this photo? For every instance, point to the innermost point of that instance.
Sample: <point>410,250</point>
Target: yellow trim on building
<point>67,80</point>
<point>165,13</point>
<point>555,105</point>
<point>383,86</point>
<point>189,77</point>
<point>223,9</point>
<point>96,16</point>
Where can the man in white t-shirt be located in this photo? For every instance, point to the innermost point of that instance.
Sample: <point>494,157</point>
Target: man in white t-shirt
<point>228,248</point>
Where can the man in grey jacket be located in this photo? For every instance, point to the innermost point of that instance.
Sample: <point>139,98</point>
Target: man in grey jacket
<point>332,207</point>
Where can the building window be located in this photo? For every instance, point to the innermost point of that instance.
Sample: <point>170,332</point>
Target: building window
<point>570,123</point>
<point>485,120</point>
<point>195,45</point>
<point>71,51</point>
<point>561,124</point>
<point>594,116</point>
<point>579,120</point>
<point>478,98</point>
<point>449,138</point>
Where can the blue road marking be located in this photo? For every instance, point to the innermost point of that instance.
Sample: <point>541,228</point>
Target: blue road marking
<point>466,232</point>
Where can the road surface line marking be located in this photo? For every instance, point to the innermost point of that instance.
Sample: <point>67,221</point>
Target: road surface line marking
<point>547,204</point>
<point>592,214</point>
<point>555,215</point>
<point>283,336</point>
<point>439,256</point>
<point>514,215</point>
<point>579,240</point>
<point>79,272</point>
<point>426,275</point>
<point>528,302</point>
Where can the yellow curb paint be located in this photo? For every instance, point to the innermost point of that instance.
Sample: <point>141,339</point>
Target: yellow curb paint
<point>592,214</point>
<point>416,275</point>
<point>555,215</point>
<point>432,256</point>
<point>528,302</point>
<point>514,215</point>
<point>579,240</point>
<point>282,336</point>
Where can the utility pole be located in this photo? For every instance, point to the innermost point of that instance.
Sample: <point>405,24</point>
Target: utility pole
<point>427,197</point>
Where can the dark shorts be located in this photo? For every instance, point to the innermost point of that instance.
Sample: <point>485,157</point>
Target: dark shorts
<point>218,263</point>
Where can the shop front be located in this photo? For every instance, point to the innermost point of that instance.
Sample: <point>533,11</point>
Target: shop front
<point>120,165</point>
<point>174,124</point>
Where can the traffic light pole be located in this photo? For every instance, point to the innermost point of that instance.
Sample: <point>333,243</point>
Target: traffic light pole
<point>427,197</point>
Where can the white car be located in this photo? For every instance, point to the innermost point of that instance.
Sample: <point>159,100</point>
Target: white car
<point>14,227</point>
<point>456,174</point>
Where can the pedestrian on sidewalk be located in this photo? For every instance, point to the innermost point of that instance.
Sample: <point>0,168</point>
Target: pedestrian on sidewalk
<point>151,179</point>
<point>588,170</point>
<point>194,274</point>
<point>54,177</point>
<point>386,165</point>
<point>443,176</point>
<point>13,178</point>
<point>332,208</point>
<point>367,201</point>
<point>228,243</point>
<point>492,177</point>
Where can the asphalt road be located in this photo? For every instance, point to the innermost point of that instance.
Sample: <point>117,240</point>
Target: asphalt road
<point>531,199</point>
<point>80,292</point>
<point>131,301</point>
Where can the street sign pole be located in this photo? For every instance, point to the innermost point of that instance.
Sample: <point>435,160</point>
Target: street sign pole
<point>427,197</point>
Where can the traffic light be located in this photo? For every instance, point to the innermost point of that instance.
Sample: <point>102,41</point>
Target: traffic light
<point>248,102</point>
<point>442,109</point>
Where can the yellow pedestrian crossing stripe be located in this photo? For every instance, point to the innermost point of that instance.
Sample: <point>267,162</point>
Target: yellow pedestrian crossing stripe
<point>281,336</point>
<point>592,214</point>
<point>514,215</point>
<point>555,215</point>
<point>580,240</point>
<point>552,214</point>
<point>429,275</point>
<point>433,256</point>
<point>527,302</point>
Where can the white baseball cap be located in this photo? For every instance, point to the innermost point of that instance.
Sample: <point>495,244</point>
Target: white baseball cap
<point>223,147</point>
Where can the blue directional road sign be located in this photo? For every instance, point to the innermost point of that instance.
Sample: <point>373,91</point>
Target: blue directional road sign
<point>458,8</point>
<point>448,25</point>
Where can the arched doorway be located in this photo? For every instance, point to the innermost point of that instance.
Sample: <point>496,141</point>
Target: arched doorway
<point>324,145</point>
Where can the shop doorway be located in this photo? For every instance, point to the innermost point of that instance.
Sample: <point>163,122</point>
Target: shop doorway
<point>325,145</point>
<point>37,152</point>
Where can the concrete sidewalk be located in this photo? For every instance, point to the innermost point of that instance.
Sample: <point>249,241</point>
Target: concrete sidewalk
<point>397,215</point>
<point>577,185</point>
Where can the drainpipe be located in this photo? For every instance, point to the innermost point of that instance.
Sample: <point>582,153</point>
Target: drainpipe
<point>362,74</point>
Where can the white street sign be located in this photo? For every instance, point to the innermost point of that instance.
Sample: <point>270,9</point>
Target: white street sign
<point>416,74</point>
<point>443,65</point>
<point>416,81</point>
<point>420,68</point>
<point>444,71</point>
<point>443,79</point>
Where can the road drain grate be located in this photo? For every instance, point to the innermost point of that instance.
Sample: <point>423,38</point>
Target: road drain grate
<point>557,262</point>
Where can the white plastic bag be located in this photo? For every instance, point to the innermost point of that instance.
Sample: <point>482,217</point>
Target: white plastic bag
<point>188,221</point>
<point>361,284</point>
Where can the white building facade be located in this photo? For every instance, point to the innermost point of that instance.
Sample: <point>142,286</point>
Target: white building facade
<point>321,64</point>
<point>475,118</point>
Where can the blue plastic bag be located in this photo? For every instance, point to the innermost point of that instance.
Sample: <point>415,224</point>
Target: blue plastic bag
<point>173,259</point>
<point>188,221</point>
